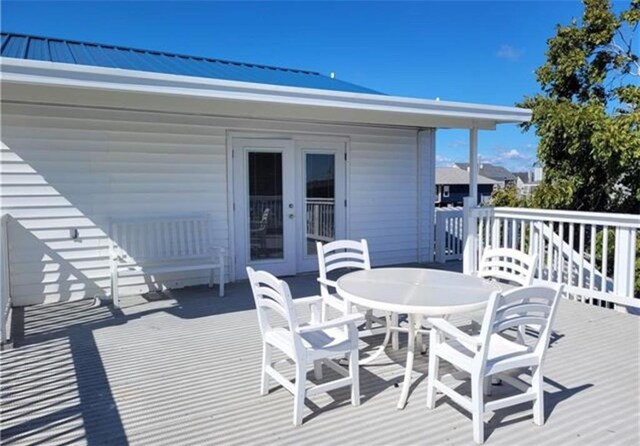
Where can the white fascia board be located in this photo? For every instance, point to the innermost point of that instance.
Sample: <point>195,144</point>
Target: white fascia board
<point>81,76</point>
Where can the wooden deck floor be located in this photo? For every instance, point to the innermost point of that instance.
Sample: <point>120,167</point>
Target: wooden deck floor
<point>184,369</point>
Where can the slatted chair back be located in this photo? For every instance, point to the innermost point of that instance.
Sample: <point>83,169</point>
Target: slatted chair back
<point>161,238</point>
<point>271,293</point>
<point>509,265</point>
<point>532,305</point>
<point>341,254</point>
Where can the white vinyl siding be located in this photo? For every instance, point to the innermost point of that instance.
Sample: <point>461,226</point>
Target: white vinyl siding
<point>64,168</point>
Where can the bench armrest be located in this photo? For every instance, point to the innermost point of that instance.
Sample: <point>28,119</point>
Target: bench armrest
<point>454,332</point>
<point>338,322</point>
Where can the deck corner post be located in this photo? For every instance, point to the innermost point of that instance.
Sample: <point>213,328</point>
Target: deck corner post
<point>624,263</point>
<point>469,257</point>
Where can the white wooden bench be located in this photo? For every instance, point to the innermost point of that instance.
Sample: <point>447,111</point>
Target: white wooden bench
<point>158,245</point>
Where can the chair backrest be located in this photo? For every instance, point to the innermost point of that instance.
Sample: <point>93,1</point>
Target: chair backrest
<point>531,305</point>
<point>507,264</point>
<point>342,254</point>
<point>271,293</point>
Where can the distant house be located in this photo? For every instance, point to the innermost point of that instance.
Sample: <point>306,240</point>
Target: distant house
<point>527,181</point>
<point>497,173</point>
<point>452,185</point>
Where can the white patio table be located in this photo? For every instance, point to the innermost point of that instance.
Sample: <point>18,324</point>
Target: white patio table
<point>417,292</point>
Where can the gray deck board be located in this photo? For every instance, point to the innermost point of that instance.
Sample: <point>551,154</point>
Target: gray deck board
<point>185,370</point>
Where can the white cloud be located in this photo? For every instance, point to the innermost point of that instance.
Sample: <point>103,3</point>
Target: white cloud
<point>508,52</point>
<point>513,154</point>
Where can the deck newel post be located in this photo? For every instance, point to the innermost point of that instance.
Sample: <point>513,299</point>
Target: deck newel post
<point>473,165</point>
<point>469,255</point>
<point>624,262</point>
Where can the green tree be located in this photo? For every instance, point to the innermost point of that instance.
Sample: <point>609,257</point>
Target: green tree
<point>587,114</point>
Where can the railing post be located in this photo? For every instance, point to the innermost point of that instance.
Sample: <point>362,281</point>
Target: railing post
<point>624,263</point>
<point>5,289</point>
<point>441,234</point>
<point>469,257</point>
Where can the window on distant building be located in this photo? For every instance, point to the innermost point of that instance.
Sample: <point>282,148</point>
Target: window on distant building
<point>445,191</point>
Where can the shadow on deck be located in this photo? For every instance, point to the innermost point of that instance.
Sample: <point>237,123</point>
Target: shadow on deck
<point>183,367</point>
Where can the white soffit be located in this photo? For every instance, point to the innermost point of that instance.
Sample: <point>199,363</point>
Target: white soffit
<point>32,81</point>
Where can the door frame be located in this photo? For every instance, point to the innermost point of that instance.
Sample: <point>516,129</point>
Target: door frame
<point>231,135</point>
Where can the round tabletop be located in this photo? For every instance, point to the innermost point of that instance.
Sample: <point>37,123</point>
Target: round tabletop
<point>416,291</point>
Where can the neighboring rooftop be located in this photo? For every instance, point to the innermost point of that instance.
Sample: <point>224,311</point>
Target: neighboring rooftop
<point>525,177</point>
<point>30,47</point>
<point>454,175</point>
<point>492,171</point>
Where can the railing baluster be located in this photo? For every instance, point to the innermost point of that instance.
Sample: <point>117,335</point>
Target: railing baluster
<point>523,231</point>
<point>581,254</point>
<point>592,255</point>
<point>561,254</point>
<point>571,251</point>
<point>605,248</point>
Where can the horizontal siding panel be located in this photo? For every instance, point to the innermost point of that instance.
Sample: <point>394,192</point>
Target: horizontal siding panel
<point>65,168</point>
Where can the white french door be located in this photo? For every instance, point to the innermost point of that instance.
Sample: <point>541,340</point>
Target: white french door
<point>287,196</point>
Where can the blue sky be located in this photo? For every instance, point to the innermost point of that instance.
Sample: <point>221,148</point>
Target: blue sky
<point>478,51</point>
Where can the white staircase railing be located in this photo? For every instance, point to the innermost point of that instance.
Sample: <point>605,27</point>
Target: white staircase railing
<point>593,254</point>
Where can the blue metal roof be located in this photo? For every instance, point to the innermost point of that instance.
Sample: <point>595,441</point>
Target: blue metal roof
<point>22,46</point>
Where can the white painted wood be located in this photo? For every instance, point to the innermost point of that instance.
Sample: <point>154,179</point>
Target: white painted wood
<point>509,265</point>
<point>491,353</point>
<point>157,245</point>
<point>305,344</point>
<point>473,165</point>
<point>470,256</point>
<point>426,193</point>
<point>569,256</point>
<point>67,168</point>
<point>5,288</point>
<point>449,234</point>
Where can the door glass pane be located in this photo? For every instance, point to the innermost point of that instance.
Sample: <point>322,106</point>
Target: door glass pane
<point>266,231</point>
<point>320,199</point>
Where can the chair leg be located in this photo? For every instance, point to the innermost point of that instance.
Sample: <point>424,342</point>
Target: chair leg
<point>300,392</point>
<point>266,361</point>
<point>368,320</point>
<point>317,369</point>
<point>477,404</point>
<point>537,381</point>
<point>323,311</point>
<point>487,386</point>
<point>434,367</point>
<point>354,374</point>
<point>395,336</point>
<point>221,283</point>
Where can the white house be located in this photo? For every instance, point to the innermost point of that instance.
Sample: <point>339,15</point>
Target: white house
<point>92,132</point>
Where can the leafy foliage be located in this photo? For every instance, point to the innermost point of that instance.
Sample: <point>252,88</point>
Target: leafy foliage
<point>587,115</point>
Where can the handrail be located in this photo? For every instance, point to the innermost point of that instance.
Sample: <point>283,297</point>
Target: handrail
<point>561,216</point>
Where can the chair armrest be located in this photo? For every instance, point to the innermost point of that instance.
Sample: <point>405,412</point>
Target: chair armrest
<point>338,322</point>
<point>309,300</point>
<point>452,331</point>
<point>314,303</point>
<point>327,282</point>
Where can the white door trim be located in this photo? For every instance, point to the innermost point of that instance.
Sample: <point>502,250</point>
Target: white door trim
<point>296,138</point>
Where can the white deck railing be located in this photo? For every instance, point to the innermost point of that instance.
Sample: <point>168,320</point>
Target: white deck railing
<point>320,219</point>
<point>449,235</point>
<point>5,290</point>
<point>593,254</point>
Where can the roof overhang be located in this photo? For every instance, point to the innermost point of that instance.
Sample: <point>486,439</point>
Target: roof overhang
<point>59,83</point>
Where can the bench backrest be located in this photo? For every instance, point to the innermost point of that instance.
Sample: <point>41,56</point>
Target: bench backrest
<point>160,238</point>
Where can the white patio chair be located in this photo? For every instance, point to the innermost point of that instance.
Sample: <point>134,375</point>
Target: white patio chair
<point>508,265</point>
<point>512,268</point>
<point>342,255</point>
<point>492,354</point>
<point>314,343</point>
